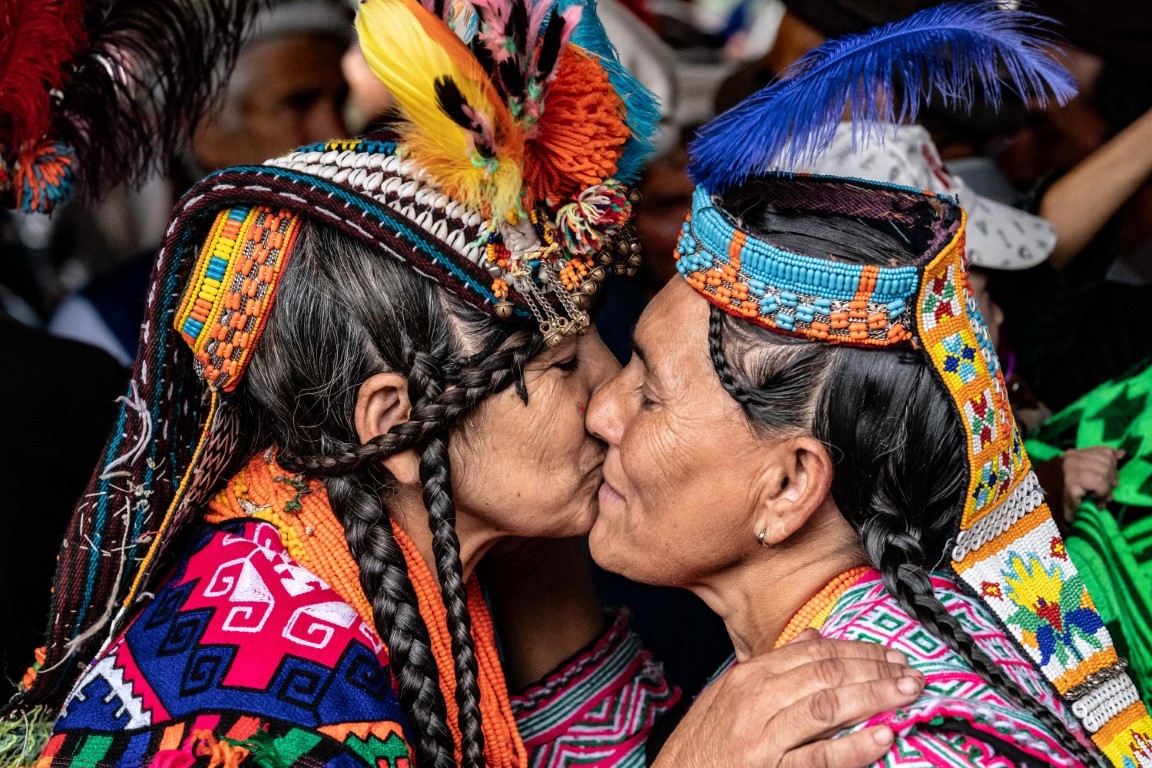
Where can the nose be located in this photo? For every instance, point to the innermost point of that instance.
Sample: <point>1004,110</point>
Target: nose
<point>596,360</point>
<point>603,419</point>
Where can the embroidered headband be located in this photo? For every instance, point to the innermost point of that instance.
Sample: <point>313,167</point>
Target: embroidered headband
<point>1007,548</point>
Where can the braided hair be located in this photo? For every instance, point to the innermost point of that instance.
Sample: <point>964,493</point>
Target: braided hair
<point>900,473</point>
<point>344,313</point>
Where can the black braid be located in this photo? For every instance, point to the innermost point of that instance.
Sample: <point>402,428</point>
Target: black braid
<point>436,475</point>
<point>384,576</point>
<point>901,566</point>
<point>473,385</point>
<point>424,386</point>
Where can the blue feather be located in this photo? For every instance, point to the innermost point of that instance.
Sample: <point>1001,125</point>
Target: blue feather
<point>954,50</point>
<point>642,108</point>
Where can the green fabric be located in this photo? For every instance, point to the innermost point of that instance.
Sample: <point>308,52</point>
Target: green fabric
<point>1112,546</point>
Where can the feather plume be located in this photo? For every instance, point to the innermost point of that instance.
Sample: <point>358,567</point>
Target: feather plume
<point>641,107</point>
<point>949,49</point>
<point>131,85</point>
<point>37,42</point>
<point>454,120</point>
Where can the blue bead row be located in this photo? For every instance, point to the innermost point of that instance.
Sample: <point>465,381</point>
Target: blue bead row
<point>767,265</point>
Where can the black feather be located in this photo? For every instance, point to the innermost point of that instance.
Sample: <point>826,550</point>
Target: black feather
<point>452,101</point>
<point>149,73</point>
<point>550,45</point>
<point>513,78</point>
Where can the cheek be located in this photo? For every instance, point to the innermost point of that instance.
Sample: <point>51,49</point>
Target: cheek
<point>679,521</point>
<point>540,469</point>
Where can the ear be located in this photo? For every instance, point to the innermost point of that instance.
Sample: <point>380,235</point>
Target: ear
<point>797,482</point>
<point>381,404</point>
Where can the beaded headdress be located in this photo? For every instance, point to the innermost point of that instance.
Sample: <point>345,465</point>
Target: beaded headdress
<point>504,182</point>
<point>1007,548</point>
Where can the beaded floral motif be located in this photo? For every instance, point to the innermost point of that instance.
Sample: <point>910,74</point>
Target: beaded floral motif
<point>957,341</point>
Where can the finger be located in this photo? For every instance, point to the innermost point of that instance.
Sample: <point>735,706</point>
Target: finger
<point>832,709</point>
<point>807,680</point>
<point>798,653</point>
<point>854,750</point>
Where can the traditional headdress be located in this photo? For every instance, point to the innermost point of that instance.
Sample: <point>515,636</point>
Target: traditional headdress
<point>505,183</point>
<point>93,92</point>
<point>1007,548</point>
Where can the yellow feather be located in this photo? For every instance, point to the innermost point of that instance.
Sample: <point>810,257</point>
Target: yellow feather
<point>409,49</point>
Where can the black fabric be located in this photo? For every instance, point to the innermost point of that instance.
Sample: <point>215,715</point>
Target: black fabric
<point>834,18</point>
<point>59,406</point>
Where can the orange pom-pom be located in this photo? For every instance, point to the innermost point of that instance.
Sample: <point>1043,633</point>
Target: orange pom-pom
<point>581,134</point>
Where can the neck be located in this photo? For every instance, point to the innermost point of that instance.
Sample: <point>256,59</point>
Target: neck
<point>475,538</point>
<point>759,596</point>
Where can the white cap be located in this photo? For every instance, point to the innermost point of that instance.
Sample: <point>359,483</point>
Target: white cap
<point>998,235</point>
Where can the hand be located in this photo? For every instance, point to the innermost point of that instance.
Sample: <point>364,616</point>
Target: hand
<point>777,710</point>
<point>1089,472</point>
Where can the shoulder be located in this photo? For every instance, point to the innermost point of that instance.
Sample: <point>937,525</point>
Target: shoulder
<point>956,700</point>
<point>604,701</point>
<point>240,629</point>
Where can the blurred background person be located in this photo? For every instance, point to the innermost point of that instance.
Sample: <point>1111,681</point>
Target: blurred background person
<point>287,90</point>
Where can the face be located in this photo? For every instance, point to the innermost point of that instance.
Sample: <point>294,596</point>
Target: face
<point>684,472</point>
<point>532,470</point>
<point>283,93</point>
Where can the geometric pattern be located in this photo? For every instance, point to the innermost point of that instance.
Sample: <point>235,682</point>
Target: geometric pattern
<point>599,708</point>
<point>959,719</point>
<point>240,630</point>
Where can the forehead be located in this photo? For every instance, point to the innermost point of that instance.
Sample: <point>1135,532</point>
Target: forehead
<point>673,331</point>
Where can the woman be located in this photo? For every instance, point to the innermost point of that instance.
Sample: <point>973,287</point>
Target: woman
<point>274,562</point>
<point>813,432</point>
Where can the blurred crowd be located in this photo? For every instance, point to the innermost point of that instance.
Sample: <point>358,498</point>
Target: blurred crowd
<point>1059,200</point>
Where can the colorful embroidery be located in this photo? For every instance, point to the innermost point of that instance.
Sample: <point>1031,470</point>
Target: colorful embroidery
<point>240,628</point>
<point>224,308</point>
<point>958,711</point>
<point>599,708</point>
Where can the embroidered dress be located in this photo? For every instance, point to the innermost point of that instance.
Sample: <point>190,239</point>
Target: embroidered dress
<point>243,652</point>
<point>959,719</point>
<point>261,647</point>
<point>597,709</point>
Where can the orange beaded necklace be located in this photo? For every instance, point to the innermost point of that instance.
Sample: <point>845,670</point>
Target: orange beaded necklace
<point>815,611</point>
<point>315,538</point>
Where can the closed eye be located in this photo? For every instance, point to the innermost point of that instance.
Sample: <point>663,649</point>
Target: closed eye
<point>569,365</point>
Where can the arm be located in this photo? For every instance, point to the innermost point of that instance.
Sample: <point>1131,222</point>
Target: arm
<point>1085,198</point>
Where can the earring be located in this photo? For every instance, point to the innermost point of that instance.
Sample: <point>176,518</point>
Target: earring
<point>761,536</point>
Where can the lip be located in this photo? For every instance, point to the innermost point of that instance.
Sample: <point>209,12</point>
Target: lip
<point>609,495</point>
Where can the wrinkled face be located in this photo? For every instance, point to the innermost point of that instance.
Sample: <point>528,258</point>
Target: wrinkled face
<point>683,472</point>
<point>532,470</point>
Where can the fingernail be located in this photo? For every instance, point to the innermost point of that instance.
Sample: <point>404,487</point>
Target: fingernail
<point>908,685</point>
<point>883,736</point>
<point>896,657</point>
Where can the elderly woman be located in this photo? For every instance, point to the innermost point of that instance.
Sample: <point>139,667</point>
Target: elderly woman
<point>366,364</point>
<point>813,432</point>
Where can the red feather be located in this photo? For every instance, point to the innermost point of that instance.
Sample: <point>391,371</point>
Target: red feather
<point>38,40</point>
